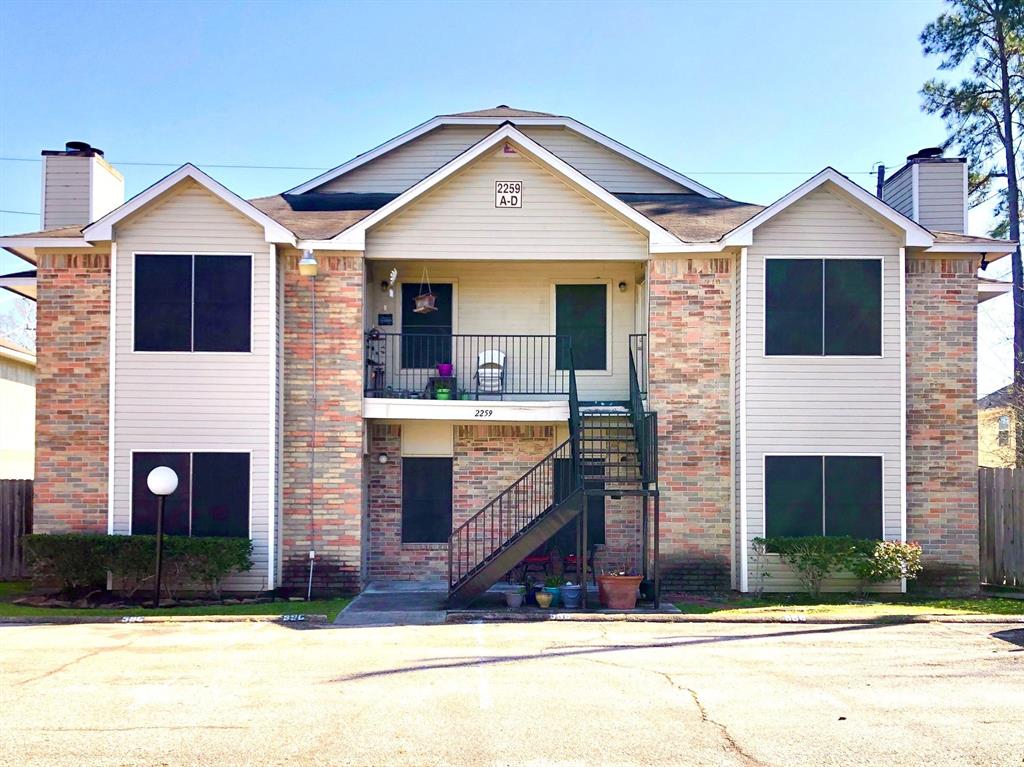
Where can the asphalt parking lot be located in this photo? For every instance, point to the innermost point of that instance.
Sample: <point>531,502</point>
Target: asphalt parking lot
<point>520,694</point>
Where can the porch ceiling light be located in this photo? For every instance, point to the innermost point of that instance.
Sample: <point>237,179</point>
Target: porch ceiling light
<point>308,266</point>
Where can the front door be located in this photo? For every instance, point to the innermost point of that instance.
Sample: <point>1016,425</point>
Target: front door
<point>426,338</point>
<point>581,315</point>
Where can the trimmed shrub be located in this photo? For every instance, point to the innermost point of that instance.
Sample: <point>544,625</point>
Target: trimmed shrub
<point>78,560</point>
<point>816,557</point>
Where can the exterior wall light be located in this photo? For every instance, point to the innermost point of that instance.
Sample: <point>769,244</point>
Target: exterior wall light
<point>622,287</point>
<point>382,458</point>
<point>308,266</point>
<point>162,482</point>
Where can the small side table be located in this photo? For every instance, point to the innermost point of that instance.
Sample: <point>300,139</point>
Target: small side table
<point>441,382</point>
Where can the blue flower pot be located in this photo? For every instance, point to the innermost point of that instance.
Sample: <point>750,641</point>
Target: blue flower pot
<point>554,591</point>
<point>572,596</point>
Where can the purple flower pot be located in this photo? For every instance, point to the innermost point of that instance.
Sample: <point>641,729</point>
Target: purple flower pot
<point>444,369</point>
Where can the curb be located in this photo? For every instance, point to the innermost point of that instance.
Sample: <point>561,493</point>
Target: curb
<point>456,617</point>
<point>68,620</point>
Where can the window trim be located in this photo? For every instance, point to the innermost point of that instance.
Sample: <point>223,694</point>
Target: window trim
<point>191,451</point>
<point>823,455</point>
<point>193,254</point>
<point>609,369</point>
<point>839,257</point>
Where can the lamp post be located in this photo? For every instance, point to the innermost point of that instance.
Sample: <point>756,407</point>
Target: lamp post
<point>162,481</point>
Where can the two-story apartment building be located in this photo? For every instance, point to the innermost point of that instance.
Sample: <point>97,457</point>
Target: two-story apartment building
<point>433,359</point>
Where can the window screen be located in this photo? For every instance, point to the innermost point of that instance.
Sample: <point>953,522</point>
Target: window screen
<point>853,307</point>
<point>853,496</point>
<point>793,306</point>
<point>193,303</point>
<point>426,500</point>
<point>220,494</point>
<point>581,314</point>
<point>793,495</point>
<point>426,338</point>
<point>223,303</point>
<point>163,303</point>
<point>144,503</point>
<point>823,495</point>
<point>212,496</point>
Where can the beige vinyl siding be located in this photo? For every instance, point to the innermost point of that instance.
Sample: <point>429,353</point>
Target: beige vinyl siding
<point>458,219</point>
<point>823,405</point>
<point>609,169</point>
<point>66,189</point>
<point>898,192</point>
<point>520,301</point>
<point>17,419</point>
<point>404,166</point>
<point>941,196</point>
<point>195,401</point>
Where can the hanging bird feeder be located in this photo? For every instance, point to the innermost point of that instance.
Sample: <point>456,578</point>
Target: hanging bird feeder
<point>426,301</point>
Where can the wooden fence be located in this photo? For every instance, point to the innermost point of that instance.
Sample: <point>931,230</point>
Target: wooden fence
<point>15,521</point>
<point>1001,520</point>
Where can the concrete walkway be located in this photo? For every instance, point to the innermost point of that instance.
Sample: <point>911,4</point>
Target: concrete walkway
<point>397,603</point>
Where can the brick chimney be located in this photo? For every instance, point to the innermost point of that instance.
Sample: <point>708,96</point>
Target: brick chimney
<point>931,189</point>
<point>79,186</point>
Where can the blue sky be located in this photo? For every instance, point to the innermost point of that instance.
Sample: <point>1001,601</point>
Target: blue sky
<point>748,98</point>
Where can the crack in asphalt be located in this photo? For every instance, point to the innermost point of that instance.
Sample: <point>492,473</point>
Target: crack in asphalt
<point>705,718</point>
<point>72,662</point>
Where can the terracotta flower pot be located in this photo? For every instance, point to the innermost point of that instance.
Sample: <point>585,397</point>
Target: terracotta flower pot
<point>618,592</point>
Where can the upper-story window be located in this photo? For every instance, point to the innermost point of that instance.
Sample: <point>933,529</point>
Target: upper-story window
<point>193,303</point>
<point>1004,430</point>
<point>823,307</point>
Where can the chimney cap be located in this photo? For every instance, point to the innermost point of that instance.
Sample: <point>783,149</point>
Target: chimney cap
<point>928,153</point>
<point>74,149</point>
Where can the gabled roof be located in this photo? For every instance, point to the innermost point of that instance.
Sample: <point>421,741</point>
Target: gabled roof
<point>20,283</point>
<point>355,236</point>
<point>321,215</point>
<point>999,398</point>
<point>502,110</point>
<point>916,235</point>
<point>690,217</point>
<point>497,116</point>
<point>103,229</point>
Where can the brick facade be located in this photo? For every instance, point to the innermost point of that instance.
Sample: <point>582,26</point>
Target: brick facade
<point>487,459</point>
<point>336,520</point>
<point>690,388</point>
<point>942,442</point>
<point>72,384</point>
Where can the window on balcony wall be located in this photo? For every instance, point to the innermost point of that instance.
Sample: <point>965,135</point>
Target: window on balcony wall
<point>1004,430</point>
<point>212,498</point>
<point>823,495</point>
<point>426,338</point>
<point>581,315</point>
<point>823,307</point>
<point>193,303</point>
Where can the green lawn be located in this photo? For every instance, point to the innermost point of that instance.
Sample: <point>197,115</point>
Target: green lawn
<point>830,605</point>
<point>10,590</point>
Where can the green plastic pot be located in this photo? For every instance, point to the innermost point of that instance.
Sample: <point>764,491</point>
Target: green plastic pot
<point>442,394</point>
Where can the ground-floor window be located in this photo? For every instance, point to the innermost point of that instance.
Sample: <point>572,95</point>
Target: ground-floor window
<point>212,498</point>
<point>823,495</point>
<point>426,500</point>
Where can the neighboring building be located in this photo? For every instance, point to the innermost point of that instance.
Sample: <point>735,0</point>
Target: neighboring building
<point>997,423</point>
<point>621,339</point>
<point>17,411</point>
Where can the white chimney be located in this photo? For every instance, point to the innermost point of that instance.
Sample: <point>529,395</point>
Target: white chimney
<point>79,186</point>
<point>931,189</point>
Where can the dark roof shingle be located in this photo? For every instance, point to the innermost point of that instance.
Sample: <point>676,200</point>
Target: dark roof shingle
<point>321,215</point>
<point>691,217</point>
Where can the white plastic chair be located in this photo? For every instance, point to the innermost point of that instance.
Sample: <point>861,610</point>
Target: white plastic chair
<point>490,373</point>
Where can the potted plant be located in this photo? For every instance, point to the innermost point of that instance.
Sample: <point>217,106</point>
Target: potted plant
<point>444,369</point>
<point>442,392</point>
<point>544,598</point>
<point>572,595</point>
<point>529,592</point>
<point>618,590</point>
<point>515,598</point>
<point>553,586</point>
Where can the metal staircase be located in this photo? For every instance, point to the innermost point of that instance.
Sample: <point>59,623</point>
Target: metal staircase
<point>611,449</point>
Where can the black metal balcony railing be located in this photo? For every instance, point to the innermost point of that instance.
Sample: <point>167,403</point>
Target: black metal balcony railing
<point>638,354</point>
<point>406,366</point>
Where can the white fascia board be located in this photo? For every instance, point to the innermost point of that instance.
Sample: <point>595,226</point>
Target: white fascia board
<point>990,290</point>
<point>916,235</point>
<point>564,122</point>
<point>14,354</point>
<point>687,247</point>
<point>656,234</point>
<point>103,229</point>
<point>14,244</point>
<point>994,250</point>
